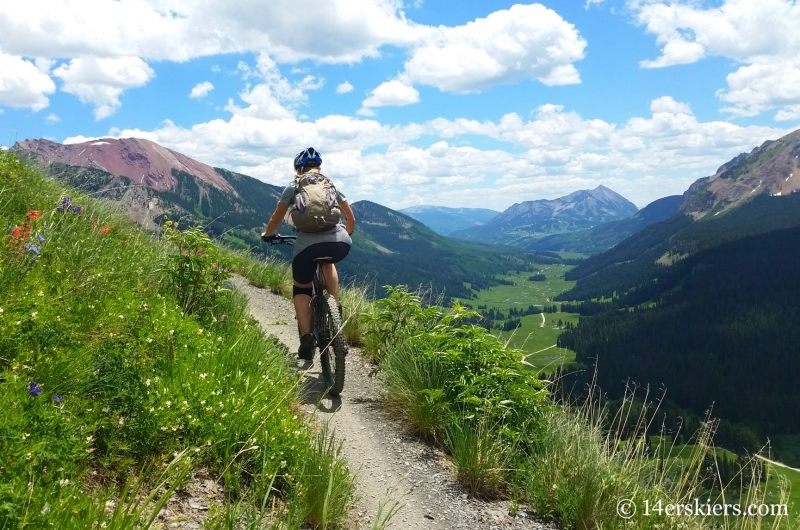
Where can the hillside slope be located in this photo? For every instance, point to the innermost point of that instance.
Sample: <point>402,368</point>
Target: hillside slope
<point>770,169</point>
<point>396,249</point>
<point>389,246</point>
<point>606,235</point>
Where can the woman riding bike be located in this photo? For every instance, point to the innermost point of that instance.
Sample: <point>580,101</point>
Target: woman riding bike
<point>333,243</point>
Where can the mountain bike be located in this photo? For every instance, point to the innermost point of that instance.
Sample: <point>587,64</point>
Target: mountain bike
<point>326,325</point>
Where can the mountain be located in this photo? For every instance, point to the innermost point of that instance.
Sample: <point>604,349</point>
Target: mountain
<point>150,182</point>
<point>529,220</point>
<point>405,251</point>
<point>141,161</point>
<point>444,220</point>
<point>604,236</point>
<point>770,169</point>
<point>707,295</point>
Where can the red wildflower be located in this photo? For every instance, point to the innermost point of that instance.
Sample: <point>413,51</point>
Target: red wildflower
<point>104,230</point>
<point>94,223</point>
<point>34,214</point>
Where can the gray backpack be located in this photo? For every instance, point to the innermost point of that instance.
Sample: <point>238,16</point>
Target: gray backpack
<point>315,207</point>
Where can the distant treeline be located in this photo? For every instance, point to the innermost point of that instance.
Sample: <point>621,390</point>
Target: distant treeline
<point>722,331</point>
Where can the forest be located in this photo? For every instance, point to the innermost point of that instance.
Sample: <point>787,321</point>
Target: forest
<point>720,332</point>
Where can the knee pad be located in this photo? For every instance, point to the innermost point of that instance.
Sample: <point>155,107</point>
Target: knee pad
<point>301,290</point>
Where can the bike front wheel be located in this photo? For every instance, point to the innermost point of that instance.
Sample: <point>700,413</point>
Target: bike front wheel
<point>332,349</point>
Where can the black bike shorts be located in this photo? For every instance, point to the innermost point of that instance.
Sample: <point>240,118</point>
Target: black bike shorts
<point>304,266</point>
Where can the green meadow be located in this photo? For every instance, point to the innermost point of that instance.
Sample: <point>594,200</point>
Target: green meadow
<point>534,337</point>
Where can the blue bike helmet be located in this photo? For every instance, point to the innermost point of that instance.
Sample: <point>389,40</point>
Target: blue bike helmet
<point>307,158</point>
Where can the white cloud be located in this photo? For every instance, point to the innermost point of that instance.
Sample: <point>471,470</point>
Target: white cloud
<point>759,35</point>
<point>525,41</point>
<point>201,90</point>
<point>180,30</point>
<point>390,94</point>
<point>102,81</point>
<point>552,153</point>
<point>590,3</point>
<point>22,84</point>
<point>52,118</point>
<point>275,96</point>
<point>344,88</point>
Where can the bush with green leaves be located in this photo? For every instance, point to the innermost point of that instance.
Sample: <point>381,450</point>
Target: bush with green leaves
<point>458,384</point>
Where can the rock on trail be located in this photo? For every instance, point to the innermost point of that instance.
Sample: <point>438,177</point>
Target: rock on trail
<point>390,464</point>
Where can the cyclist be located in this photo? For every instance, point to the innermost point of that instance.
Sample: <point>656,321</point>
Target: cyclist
<point>333,243</point>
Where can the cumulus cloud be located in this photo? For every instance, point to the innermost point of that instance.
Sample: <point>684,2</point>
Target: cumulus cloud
<point>102,81</point>
<point>273,96</point>
<point>52,118</point>
<point>523,42</point>
<point>554,152</point>
<point>389,94</point>
<point>344,88</point>
<point>180,30</point>
<point>22,84</point>
<point>201,90</point>
<point>759,35</point>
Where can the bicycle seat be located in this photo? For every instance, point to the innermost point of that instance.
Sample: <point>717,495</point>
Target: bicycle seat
<point>323,259</point>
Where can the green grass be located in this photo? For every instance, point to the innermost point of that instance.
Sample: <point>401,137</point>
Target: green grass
<point>793,479</point>
<point>122,356</point>
<point>531,337</point>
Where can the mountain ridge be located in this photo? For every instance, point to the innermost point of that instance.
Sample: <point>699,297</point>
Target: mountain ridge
<point>386,249</point>
<point>532,219</point>
<point>445,220</point>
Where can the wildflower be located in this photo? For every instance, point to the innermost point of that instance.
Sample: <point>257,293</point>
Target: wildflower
<point>78,209</point>
<point>34,214</point>
<point>203,376</point>
<point>147,382</point>
<point>40,237</point>
<point>104,230</point>
<point>25,436</point>
<point>89,439</point>
<point>34,390</point>
<point>33,315</point>
<point>65,204</point>
<point>57,399</point>
<point>168,403</point>
<point>63,482</point>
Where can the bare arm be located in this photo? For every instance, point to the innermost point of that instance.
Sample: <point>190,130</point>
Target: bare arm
<point>349,218</point>
<point>276,219</point>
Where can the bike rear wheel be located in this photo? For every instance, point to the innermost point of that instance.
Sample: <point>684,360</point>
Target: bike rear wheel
<point>332,347</point>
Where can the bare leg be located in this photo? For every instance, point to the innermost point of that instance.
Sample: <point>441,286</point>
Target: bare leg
<point>302,309</point>
<point>331,280</point>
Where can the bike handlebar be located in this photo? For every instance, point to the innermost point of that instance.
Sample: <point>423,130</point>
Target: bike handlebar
<point>277,239</point>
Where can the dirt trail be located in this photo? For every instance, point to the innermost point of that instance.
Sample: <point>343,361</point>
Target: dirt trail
<point>390,464</point>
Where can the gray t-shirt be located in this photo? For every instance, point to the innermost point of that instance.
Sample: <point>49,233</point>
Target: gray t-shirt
<point>305,239</point>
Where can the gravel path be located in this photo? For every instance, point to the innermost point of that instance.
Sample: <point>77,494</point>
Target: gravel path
<point>390,464</point>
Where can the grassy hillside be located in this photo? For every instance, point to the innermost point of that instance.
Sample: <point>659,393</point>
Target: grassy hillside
<point>124,357</point>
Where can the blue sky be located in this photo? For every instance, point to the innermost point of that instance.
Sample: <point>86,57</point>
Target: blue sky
<point>470,103</point>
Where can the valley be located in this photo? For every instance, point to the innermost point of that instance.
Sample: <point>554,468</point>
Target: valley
<point>536,336</point>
